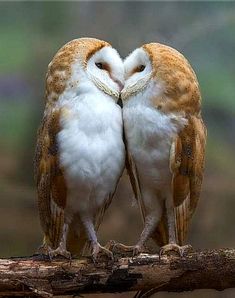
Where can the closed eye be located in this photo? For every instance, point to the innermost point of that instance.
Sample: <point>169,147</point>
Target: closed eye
<point>99,65</point>
<point>102,65</point>
<point>140,68</point>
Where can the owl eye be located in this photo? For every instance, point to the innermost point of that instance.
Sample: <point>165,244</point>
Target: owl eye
<point>99,65</point>
<point>141,68</point>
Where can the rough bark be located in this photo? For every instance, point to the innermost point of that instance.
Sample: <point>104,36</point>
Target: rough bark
<point>34,276</point>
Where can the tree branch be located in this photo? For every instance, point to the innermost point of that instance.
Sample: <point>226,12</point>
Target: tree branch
<point>33,276</point>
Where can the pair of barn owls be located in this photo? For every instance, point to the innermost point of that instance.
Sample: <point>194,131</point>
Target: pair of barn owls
<point>81,149</point>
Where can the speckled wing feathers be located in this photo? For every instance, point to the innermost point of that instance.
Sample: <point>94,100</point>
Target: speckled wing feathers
<point>50,180</point>
<point>187,167</point>
<point>187,180</point>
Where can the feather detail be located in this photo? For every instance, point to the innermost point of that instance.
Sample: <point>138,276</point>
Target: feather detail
<point>182,217</point>
<point>51,185</point>
<point>187,167</point>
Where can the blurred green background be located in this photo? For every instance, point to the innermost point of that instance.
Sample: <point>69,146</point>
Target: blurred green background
<point>31,33</point>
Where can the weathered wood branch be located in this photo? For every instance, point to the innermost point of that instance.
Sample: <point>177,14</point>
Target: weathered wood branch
<point>32,276</point>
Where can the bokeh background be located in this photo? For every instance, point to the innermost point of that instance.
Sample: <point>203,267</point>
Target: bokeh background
<point>31,33</point>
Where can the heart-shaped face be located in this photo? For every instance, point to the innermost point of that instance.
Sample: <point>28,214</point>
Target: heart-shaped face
<point>85,60</point>
<point>165,74</point>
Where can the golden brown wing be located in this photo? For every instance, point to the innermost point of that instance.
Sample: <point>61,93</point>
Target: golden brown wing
<point>187,158</point>
<point>50,181</point>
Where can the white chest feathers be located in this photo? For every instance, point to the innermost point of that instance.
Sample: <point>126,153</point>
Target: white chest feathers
<point>90,142</point>
<point>149,135</point>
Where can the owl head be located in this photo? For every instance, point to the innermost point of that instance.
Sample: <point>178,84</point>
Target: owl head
<point>163,75</point>
<point>82,64</point>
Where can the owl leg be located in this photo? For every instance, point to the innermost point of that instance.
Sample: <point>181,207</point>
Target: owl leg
<point>171,224</point>
<point>150,225</point>
<point>153,212</point>
<point>140,246</point>
<point>151,222</point>
<point>97,249</point>
<point>61,249</point>
<point>45,248</point>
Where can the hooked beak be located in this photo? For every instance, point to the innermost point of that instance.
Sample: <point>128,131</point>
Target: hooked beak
<point>119,83</point>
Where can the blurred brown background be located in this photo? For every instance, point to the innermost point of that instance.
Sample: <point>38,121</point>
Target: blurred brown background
<point>31,33</point>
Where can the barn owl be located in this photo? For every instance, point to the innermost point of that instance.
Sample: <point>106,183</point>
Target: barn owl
<point>165,138</point>
<point>80,152</point>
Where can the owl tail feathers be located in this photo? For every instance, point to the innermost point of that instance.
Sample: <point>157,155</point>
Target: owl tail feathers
<point>160,235</point>
<point>182,217</point>
<point>76,242</point>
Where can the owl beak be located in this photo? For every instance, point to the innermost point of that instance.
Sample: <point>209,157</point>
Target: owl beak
<point>119,102</point>
<point>119,83</point>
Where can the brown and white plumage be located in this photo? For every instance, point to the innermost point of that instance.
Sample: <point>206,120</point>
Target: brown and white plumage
<point>165,138</point>
<point>80,152</point>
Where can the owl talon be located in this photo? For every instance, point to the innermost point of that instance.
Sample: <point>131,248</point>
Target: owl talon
<point>44,251</point>
<point>134,249</point>
<point>98,250</point>
<point>110,245</point>
<point>59,252</point>
<point>138,249</point>
<point>172,247</point>
<point>121,248</point>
